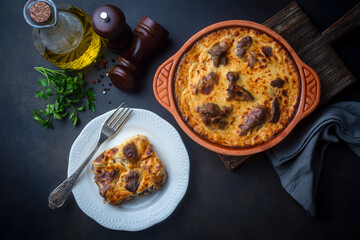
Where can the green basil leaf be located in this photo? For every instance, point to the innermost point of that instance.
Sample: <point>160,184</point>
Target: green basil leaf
<point>37,94</point>
<point>57,116</point>
<point>43,96</point>
<point>91,106</point>
<point>72,115</point>
<point>56,105</point>
<point>42,82</point>
<point>47,125</point>
<point>82,108</point>
<point>37,117</point>
<point>75,120</point>
<point>48,92</point>
<point>90,92</point>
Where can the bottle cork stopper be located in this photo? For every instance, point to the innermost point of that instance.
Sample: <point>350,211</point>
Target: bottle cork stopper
<point>40,12</point>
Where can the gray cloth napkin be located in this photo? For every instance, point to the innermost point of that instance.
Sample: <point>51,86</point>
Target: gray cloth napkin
<point>299,157</point>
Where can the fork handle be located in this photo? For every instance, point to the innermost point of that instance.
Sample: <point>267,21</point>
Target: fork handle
<point>60,194</point>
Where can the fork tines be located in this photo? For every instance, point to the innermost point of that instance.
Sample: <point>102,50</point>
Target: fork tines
<point>119,117</point>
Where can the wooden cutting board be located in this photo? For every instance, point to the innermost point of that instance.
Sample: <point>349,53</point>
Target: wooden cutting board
<point>314,49</point>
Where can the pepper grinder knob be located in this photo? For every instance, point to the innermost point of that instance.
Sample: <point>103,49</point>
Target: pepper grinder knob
<point>104,17</point>
<point>147,37</point>
<point>108,21</point>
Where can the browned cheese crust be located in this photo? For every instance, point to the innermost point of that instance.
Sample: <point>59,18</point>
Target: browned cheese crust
<point>237,87</point>
<point>128,170</point>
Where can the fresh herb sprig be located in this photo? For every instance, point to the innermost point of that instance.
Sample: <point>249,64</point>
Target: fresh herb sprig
<point>68,93</point>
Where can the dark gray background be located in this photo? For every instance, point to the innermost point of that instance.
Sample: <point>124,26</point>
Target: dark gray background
<point>247,203</point>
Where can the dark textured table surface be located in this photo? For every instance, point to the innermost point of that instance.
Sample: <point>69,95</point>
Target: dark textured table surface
<point>247,203</point>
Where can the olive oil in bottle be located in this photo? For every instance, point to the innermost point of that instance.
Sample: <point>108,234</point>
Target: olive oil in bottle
<point>62,34</point>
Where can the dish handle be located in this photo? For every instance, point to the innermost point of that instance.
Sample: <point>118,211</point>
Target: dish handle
<point>312,89</point>
<point>162,84</point>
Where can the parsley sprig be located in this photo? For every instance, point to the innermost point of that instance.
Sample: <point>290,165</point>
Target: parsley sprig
<point>68,93</point>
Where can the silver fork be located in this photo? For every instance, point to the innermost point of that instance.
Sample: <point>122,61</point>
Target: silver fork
<point>109,129</point>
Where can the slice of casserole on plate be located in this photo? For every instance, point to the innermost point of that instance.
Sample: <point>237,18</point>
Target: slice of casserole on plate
<point>128,170</point>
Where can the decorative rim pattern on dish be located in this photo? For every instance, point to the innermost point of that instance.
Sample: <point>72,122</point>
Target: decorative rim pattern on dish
<point>149,210</point>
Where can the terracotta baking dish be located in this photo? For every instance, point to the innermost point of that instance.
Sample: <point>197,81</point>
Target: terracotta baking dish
<point>164,89</point>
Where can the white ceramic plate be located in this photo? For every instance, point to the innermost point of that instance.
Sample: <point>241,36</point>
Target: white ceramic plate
<point>145,211</point>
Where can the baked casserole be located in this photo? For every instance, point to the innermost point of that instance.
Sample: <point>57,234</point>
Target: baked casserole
<point>128,170</point>
<point>237,87</point>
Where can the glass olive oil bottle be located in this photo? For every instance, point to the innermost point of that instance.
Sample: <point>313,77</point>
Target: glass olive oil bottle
<point>62,34</point>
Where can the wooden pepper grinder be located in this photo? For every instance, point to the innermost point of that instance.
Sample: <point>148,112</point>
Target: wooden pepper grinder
<point>108,21</point>
<point>147,37</point>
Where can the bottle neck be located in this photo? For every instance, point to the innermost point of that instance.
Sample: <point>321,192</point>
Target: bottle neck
<point>40,13</point>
